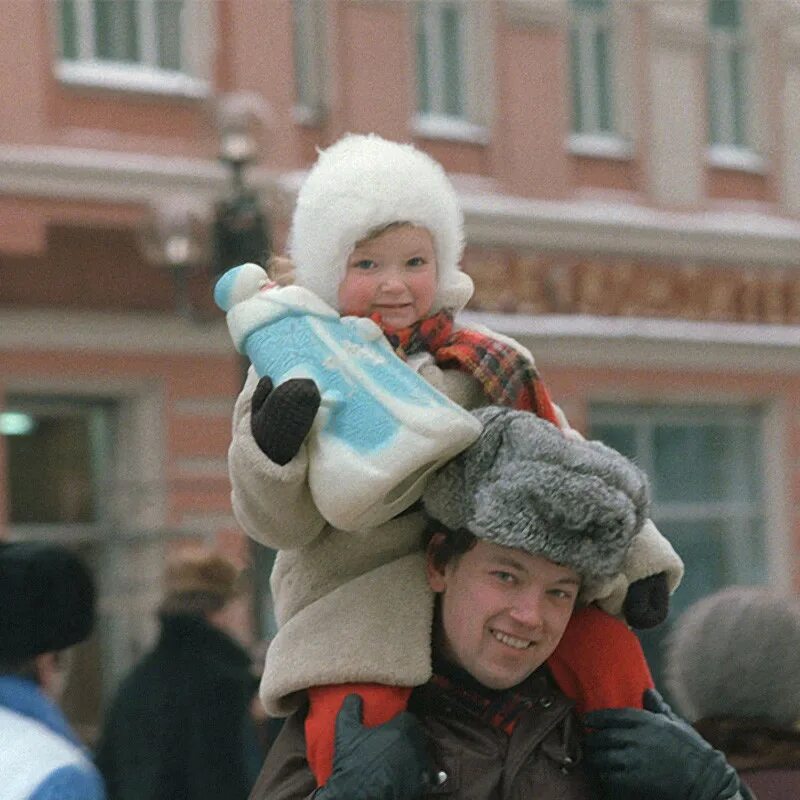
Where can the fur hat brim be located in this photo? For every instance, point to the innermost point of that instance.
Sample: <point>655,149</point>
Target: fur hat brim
<point>524,484</point>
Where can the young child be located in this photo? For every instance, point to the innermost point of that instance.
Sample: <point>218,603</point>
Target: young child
<point>378,232</point>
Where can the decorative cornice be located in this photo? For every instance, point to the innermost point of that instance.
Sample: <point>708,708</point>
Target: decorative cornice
<point>651,343</point>
<point>621,228</point>
<point>72,173</point>
<point>631,230</point>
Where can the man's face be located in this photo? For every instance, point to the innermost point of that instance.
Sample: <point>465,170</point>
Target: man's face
<point>393,274</point>
<point>503,611</point>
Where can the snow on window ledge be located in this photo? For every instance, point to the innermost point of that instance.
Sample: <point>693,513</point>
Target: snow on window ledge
<point>742,159</point>
<point>307,116</point>
<point>130,78</point>
<point>600,145</point>
<point>434,126</point>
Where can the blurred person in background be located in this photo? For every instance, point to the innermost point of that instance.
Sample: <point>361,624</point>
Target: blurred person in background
<point>180,726</point>
<point>733,667</point>
<point>47,605</point>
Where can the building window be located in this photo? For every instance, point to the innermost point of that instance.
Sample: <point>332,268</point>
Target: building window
<point>136,44</point>
<point>727,75</point>
<point>308,39</point>
<point>704,465</point>
<point>590,61</point>
<point>60,463</point>
<point>451,83</point>
<point>58,454</point>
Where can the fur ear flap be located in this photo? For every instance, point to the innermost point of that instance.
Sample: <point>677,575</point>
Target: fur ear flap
<point>455,295</point>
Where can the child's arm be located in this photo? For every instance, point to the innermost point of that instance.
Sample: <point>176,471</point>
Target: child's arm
<point>650,554</point>
<point>271,502</point>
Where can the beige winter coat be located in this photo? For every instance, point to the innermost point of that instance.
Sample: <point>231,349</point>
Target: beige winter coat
<point>356,607</point>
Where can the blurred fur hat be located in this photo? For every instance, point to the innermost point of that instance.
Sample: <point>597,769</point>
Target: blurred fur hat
<point>199,579</point>
<point>360,184</point>
<point>737,654</point>
<point>47,599</point>
<point>524,484</point>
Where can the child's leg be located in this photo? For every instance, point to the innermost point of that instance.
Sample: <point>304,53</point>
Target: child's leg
<point>381,703</point>
<point>599,662</point>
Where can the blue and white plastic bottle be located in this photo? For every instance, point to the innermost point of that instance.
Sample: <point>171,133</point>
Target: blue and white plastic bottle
<point>381,430</point>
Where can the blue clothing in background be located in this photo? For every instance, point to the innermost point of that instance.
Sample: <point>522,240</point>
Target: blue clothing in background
<point>40,756</point>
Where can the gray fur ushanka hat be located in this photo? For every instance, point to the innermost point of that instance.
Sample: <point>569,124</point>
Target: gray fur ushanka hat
<point>524,484</point>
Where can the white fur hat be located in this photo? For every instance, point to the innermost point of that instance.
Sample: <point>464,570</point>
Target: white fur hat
<point>360,184</point>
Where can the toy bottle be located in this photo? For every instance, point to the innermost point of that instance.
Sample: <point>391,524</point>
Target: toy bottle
<point>381,430</point>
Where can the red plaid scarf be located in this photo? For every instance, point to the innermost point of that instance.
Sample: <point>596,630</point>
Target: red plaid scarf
<point>507,377</point>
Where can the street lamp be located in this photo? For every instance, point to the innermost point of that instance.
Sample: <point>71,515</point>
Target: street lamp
<point>241,231</point>
<point>176,236</point>
<point>184,236</point>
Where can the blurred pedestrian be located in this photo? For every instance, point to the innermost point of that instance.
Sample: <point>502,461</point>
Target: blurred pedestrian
<point>180,726</point>
<point>733,667</point>
<point>47,602</point>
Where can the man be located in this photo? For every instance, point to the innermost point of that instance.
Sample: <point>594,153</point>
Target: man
<point>521,523</point>
<point>179,727</point>
<point>46,605</point>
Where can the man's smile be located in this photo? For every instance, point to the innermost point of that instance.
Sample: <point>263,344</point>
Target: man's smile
<point>511,641</point>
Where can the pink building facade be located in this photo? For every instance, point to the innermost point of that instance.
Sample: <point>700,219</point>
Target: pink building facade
<point>630,177</point>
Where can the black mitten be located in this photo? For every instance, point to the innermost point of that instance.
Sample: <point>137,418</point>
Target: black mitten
<point>647,601</point>
<point>281,418</point>
<point>387,762</point>
<point>652,753</point>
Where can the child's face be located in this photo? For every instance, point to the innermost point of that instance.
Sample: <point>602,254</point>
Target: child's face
<point>393,274</point>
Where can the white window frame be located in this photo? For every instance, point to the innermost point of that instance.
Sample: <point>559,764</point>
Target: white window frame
<point>592,139</point>
<point>475,48</point>
<point>726,152</point>
<point>192,80</point>
<point>309,45</point>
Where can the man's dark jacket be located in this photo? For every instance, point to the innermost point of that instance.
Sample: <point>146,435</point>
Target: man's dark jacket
<point>180,727</point>
<point>470,757</point>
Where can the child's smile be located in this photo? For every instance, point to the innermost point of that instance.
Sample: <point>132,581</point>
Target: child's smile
<point>392,274</point>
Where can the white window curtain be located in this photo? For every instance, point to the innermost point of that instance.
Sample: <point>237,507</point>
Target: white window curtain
<point>145,32</point>
<point>162,46</point>
<point>453,96</point>
<point>727,75</point>
<point>440,58</point>
<point>591,67</point>
<point>308,40</point>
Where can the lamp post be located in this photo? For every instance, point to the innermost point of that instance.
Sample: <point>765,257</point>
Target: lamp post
<point>241,231</point>
<point>181,235</point>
